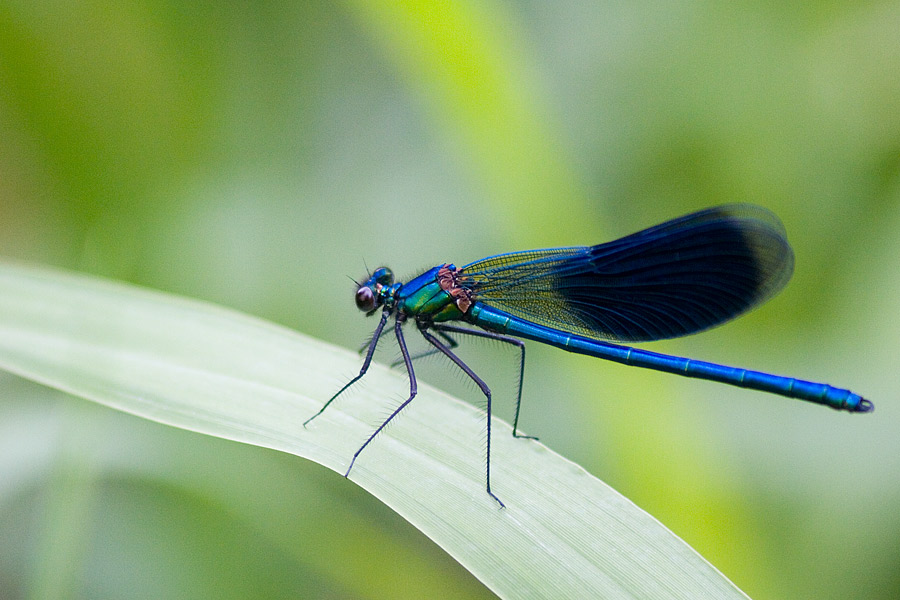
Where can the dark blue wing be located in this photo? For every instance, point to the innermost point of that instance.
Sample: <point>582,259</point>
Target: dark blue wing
<point>677,278</point>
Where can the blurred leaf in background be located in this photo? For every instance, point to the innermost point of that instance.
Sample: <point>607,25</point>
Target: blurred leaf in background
<point>258,155</point>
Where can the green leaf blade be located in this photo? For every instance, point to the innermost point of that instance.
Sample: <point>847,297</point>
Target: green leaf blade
<point>203,368</point>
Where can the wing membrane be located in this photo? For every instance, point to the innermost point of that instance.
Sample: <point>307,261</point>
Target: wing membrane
<point>673,279</point>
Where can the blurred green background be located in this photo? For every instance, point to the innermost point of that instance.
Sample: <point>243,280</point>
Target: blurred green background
<point>257,155</point>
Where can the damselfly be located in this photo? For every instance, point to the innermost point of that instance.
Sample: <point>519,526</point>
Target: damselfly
<point>677,278</point>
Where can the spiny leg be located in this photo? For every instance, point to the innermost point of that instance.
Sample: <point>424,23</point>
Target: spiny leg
<point>450,343</point>
<point>484,389</point>
<point>365,367</point>
<point>500,338</point>
<point>412,388</point>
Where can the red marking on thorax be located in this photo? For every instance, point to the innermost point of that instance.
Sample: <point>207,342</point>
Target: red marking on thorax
<point>448,279</point>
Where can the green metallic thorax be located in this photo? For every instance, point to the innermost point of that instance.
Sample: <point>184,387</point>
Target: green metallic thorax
<point>424,297</point>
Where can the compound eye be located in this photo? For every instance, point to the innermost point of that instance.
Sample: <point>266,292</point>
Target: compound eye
<point>365,299</point>
<point>384,276</point>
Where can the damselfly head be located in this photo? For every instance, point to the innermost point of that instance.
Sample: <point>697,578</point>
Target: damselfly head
<point>370,295</point>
